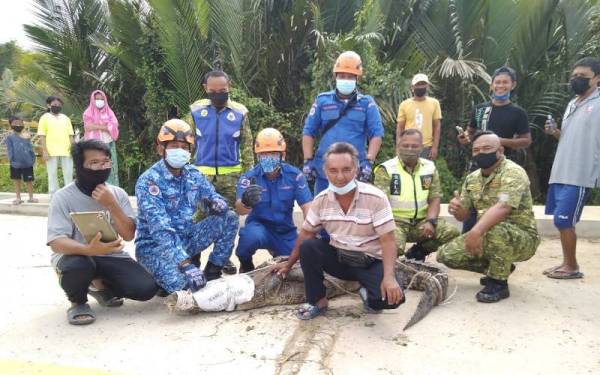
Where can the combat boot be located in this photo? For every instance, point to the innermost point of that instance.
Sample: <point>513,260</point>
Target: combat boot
<point>212,271</point>
<point>416,252</point>
<point>229,268</point>
<point>494,291</point>
<point>483,281</point>
<point>246,265</point>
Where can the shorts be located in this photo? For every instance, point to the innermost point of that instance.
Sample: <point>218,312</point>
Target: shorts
<point>566,203</point>
<point>25,174</point>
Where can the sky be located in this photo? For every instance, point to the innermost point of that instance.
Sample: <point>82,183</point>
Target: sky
<point>13,14</point>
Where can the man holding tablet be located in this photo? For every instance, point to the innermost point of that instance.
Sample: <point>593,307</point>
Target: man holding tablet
<point>101,269</point>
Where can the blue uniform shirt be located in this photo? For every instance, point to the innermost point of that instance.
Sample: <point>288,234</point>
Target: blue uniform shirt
<point>276,206</point>
<point>166,204</point>
<point>361,122</point>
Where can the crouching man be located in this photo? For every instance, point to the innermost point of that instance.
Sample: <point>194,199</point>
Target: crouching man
<point>362,246</point>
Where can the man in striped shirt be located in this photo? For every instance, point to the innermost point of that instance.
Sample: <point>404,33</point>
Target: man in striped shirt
<point>362,245</point>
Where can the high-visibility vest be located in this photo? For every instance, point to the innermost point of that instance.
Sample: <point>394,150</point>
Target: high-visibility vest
<point>407,192</point>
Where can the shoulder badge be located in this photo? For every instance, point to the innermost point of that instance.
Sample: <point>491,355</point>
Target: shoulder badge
<point>204,113</point>
<point>153,190</point>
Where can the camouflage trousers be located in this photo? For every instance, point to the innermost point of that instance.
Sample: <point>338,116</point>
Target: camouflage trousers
<point>406,232</point>
<point>503,245</point>
<point>225,184</point>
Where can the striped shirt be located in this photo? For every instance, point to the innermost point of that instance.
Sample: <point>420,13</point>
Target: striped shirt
<point>368,217</point>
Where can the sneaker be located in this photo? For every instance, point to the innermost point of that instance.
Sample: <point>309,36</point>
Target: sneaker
<point>483,281</point>
<point>182,302</point>
<point>494,291</point>
<point>416,252</point>
<point>362,292</point>
<point>229,268</point>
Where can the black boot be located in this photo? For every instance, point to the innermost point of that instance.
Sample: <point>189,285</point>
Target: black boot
<point>229,268</point>
<point>212,271</point>
<point>416,252</point>
<point>494,291</point>
<point>483,281</point>
<point>246,265</point>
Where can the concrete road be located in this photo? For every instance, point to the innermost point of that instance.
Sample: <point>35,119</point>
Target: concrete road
<point>546,327</point>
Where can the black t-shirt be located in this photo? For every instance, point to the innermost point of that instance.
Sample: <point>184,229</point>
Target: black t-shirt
<point>506,120</point>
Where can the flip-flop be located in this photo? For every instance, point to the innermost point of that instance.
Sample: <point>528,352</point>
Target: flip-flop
<point>558,274</point>
<point>550,270</point>
<point>78,311</point>
<point>105,297</point>
<point>312,310</point>
<point>33,200</point>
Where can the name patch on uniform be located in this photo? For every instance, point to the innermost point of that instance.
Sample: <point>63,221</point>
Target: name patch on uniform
<point>395,184</point>
<point>153,190</point>
<point>204,113</point>
<point>230,116</point>
<point>426,181</point>
<point>286,187</point>
<point>329,107</point>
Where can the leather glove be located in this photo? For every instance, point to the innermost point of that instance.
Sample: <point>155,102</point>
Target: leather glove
<point>218,206</point>
<point>194,276</point>
<point>206,208</point>
<point>251,196</point>
<point>366,169</point>
<point>309,171</point>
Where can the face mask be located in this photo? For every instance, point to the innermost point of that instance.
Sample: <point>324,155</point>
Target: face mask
<point>177,157</point>
<point>501,97</point>
<point>408,155</point>
<point>580,85</point>
<point>344,189</point>
<point>420,91</point>
<point>485,160</point>
<point>269,163</point>
<point>99,103</point>
<point>88,179</point>
<point>218,99</point>
<point>17,128</point>
<point>345,86</point>
<point>55,109</point>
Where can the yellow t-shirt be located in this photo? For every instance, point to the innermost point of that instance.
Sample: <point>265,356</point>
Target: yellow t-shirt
<point>57,130</point>
<point>420,115</point>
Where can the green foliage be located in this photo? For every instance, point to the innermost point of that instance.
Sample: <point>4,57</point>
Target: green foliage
<point>449,182</point>
<point>40,183</point>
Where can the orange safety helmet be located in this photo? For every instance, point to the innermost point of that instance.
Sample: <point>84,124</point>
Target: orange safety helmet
<point>269,140</point>
<point>176,130</point>
<point>348,62</point>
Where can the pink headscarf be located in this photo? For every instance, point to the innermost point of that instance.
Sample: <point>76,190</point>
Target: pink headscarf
<point>103,116</point>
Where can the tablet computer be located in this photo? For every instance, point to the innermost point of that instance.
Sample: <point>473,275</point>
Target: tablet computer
<point>90,223</point>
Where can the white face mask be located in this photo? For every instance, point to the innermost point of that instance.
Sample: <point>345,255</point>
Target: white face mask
<point>345,86</point>
<point>99,103</point>
<point>344,189</point>
<point>177,157</point>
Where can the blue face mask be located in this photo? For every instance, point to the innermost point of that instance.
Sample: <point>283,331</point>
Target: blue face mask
<point>344,189</point>
<point>177,157</point>
<point>345,86</point>
<point>501,97</point>
<point>269,163</point>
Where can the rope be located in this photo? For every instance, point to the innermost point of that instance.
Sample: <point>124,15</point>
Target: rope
<point>337,285</point>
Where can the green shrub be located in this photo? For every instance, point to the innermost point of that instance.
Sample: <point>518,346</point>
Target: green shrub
<point>40,183</point>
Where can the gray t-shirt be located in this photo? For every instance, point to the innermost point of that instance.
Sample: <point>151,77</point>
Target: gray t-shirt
<point>577,159</point>
<point>71,199</point>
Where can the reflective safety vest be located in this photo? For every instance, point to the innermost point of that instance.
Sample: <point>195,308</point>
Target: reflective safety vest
<point>408,193</point>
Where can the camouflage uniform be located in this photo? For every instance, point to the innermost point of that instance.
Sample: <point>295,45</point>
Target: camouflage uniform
<point>515,239</point>
<point>409,230</point>
<point>165,233</point>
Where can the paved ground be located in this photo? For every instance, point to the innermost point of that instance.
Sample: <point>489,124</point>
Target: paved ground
<point>546,327</point>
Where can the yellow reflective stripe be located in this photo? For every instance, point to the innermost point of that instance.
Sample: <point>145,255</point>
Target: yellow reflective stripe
<point>211,171</point>
<point>402,205</point>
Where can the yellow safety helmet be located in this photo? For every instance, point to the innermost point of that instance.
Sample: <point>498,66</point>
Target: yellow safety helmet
<point>269,140</point>
<point>176,130</point>
<point>348,62</point>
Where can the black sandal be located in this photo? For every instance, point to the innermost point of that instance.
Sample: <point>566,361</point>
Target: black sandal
<point>105,297</point>
<point>83,310</point>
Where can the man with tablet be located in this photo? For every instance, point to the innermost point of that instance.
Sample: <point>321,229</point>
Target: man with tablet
<point>101,269</point>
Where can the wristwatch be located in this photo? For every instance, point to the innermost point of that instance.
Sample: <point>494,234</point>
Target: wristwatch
<point>432,221</point>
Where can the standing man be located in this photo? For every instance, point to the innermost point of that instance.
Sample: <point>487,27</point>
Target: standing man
<point>267,194</point>
<point>167,195</point>
<point>223,139</point>
<point>505,231</point>
<point>342,114</point>
<point>413,189</point>
<point>576,168</point>
<point>359,220</point>
<point>423,113</point>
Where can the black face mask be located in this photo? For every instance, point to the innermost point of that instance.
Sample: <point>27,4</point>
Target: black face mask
<point>420,91</point>
<point>218,99</point>
<point>55,109</point>
<point>485,161</point>
<point>88,179</point>
<point>580,85</point>
<point>17,129</point>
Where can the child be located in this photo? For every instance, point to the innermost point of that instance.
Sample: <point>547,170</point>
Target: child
<point>21,158</point>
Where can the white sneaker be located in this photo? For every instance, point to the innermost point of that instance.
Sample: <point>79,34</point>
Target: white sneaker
<point>182,302</point>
